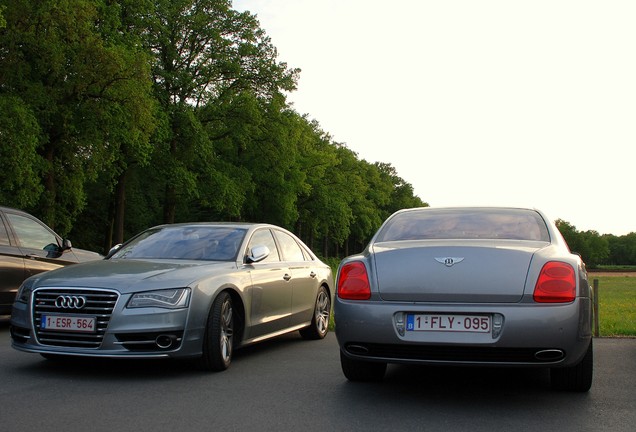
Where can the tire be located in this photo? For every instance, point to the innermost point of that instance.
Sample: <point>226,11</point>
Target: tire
<point>577,378</point>
<point>320,322</point>
<point>218,342</point>
<point>356,370</point>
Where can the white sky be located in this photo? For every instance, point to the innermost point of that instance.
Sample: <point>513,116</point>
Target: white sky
<point>529,103</point>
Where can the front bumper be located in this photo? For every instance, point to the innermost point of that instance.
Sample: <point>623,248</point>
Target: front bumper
<point>129,333</point>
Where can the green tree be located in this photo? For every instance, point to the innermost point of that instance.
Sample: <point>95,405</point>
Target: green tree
<point>402,193</point>
<point>64,61</point>
<point>596,250</point>
<point>571,235</point>
<point>593,248</point>
<point>622,249</point>
<point>21,165</point>
<point>204,53</point>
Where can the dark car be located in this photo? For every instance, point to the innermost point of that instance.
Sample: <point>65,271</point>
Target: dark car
<point>28,247</point>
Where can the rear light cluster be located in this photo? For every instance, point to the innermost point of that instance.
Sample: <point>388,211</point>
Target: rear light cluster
<point>556,283</point>
<point>353,283</point>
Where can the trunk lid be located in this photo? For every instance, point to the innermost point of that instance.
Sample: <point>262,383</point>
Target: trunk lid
<point>481,272</point>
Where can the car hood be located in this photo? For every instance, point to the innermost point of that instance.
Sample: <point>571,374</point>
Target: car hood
<point>493,272</point>
<point>132,275</point>
<point>83,255</point>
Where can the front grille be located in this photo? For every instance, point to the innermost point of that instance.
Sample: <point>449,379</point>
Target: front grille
<point>446,353</point>
<point>99,304</point>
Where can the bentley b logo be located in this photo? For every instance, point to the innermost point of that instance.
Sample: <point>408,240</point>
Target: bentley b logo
<point>449,261</point>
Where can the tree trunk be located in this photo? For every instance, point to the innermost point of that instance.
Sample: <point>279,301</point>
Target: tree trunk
<point>169,205</point>
<point>120,207</point>
<point>47,202</point>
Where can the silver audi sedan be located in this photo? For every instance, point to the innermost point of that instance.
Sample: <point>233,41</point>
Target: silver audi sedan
<point>466,286</point>
<point>181,291</point>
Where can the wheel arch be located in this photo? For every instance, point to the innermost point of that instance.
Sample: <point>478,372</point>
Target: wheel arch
<point>239,311</point>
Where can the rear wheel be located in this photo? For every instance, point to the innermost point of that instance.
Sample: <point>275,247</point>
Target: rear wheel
<point>320,322</point>
<point>219,335</point>
<point>576,378</point>
<point>356,370</point>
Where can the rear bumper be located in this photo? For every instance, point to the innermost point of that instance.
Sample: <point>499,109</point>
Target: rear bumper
<point>531,335</point>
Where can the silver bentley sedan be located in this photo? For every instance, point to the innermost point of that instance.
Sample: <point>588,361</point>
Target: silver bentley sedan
<point>466,286</point>
<point>182,291</point>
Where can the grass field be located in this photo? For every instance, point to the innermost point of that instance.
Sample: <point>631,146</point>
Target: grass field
<point>617,304</point>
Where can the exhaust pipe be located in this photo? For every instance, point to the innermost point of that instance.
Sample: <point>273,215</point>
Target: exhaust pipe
<point>549,355</point>
<point>165,341</point>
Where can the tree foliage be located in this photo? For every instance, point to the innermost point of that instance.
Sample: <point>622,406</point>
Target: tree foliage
<point>123,114</point>
<point>67,66</point>
<point>596,249</point>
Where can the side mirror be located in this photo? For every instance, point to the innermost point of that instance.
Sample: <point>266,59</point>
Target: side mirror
<point>257,253</point>
<point>112,250</point>
<point>66,244</point>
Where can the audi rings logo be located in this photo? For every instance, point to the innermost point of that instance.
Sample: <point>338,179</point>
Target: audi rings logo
<point>70,302</point>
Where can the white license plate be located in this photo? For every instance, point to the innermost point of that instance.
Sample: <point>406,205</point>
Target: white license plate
<point>80,324</point>
<point>448,323</point>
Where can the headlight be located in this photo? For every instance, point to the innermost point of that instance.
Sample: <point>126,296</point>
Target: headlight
<point>176,298</point>
<point>24,292</point>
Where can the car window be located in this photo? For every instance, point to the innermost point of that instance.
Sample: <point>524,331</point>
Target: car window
<point>264,237</point>
<point>32,234</point>
<point>290,249</point>
<point>4,235</point>
<point>513,224</point>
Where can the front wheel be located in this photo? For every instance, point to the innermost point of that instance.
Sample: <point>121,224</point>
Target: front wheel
<point>320,322</point>
<point>576,378</point>
<point>356,370</point>
<point>219,335</point>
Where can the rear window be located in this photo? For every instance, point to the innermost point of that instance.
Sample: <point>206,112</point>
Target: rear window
<point>427,224</point>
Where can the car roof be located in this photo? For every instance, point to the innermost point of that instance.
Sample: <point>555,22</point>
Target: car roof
<point>220,224</point>
<point>14,210</point>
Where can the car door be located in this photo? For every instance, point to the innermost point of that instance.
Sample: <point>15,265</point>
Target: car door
<point>40,246</point>
<point>12,271</point>
<point>271,292</point>
<point>304,284</point>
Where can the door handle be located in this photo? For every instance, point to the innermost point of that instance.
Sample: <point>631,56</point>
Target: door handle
<point>287,276</point>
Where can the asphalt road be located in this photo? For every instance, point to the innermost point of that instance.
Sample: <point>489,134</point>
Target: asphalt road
<point>294,385</point>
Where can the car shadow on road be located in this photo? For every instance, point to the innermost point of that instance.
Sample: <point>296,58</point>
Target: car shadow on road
<point>140,369</point>
<point>453,384</point>
<point>479,378</point>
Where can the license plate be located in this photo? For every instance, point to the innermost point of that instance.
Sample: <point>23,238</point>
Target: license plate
<point>448,323</point>
<point>68,323</point>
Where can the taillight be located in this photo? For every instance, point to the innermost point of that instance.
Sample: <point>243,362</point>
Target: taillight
<point>353,283</point>
<point>556,283</point>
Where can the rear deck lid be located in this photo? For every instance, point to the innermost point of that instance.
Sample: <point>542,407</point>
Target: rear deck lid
<point>483,272</point>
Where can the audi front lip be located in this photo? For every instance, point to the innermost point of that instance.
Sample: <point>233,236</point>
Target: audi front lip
<point>123,321</point>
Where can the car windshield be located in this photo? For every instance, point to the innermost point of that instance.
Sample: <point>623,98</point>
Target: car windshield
<point>210,243</point>
<point>513,224</point>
